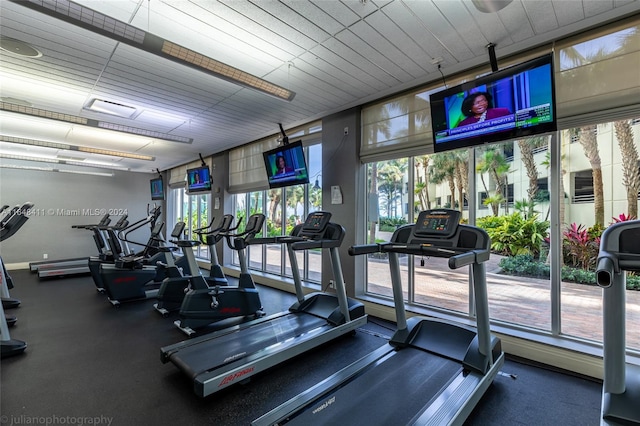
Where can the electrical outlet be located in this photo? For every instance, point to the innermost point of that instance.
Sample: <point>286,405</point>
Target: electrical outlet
<point>346,131</point>
<point>45,256</point>
<point>332,284</point>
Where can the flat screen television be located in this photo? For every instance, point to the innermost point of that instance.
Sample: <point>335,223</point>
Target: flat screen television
<point>157,189</point>
<point>286,165</point>
<point>515,102</point>
<point>198,179</point>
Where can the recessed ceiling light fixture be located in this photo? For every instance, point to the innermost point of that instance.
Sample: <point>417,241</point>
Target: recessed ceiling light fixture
<point>490,6</point>
<point>18,47</point>
<point>100,23</point>
<point>89,150</point>
<point>43,113</point>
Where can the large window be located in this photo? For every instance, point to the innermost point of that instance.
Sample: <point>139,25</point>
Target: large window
<point>514,205</point>
<point>193,210</point>
<point>285,208</point>
<point>544,201</point>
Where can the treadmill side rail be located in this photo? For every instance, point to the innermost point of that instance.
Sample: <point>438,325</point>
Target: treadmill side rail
<point>217,379</point>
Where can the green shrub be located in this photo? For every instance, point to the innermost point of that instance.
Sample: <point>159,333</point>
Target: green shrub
<point>514,234</point>
<point>390,224</point>
<point>526,266</point>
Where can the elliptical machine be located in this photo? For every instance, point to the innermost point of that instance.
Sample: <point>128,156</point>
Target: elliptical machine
<point>211,237</point>
<point>173,289</point>
<point>129,279</point>
<point>8,227</point>
<point>202,306</point>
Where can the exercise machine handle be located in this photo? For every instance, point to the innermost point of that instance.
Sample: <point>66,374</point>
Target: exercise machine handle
<point>605,269</point>
<point>463,259</point>
<point>365,249</point>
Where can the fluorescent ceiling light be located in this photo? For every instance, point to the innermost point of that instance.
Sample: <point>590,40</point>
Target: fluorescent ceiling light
<point>89,150</point>
<point>80,172</point>
<point>115,153</point>
<point>100,23</point>
<point>37,112</point>
<point>22,109</point>
<point>26,157</point>
<point>112,108</point>
<point>143,132</point>
<point>14,166</point>
<point>34,142</point>
<point>50,169</point>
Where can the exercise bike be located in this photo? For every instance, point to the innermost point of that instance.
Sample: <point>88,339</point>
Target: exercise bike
<point>203,306</point>
<point>131,278</point>
<point>172,290</point>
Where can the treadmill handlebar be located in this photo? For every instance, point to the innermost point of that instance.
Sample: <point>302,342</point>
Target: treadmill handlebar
<point>605,269</point>
<point>365,249</point>
<point>297,243</point>
<point>464,259</point>
<point>458,257</point>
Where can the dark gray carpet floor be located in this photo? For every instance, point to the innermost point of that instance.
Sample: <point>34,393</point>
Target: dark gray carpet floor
<point>89,363</point>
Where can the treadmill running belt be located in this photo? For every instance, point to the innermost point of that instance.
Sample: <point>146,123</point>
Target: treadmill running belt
<point>389,393</point>
<point>211,354</point>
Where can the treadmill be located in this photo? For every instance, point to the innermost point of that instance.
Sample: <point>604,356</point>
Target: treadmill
<point>71,266</point>
<point>619,253</point>
<point>432,371</point>
<point>231,355</point>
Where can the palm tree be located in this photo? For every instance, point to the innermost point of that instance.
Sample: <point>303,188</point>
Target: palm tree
<point>461,174</point>
<point>275,198</point>
<point>547,163</point>
<point>391,173</point>
<point>422,187</point>
<point>588,138</point>
<point>630,173</point>
<point>495,164</point>
<point>526,152</point>
<point>381,128</point>
<point>295,196</point>
<point>444,168</point>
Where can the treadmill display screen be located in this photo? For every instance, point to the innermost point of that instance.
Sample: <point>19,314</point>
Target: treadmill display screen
<point>316,222</point>
<point>441,223</point>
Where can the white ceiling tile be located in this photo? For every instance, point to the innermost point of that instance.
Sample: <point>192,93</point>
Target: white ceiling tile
<point>593,7</point>
<point>515,20</point>
<point>338,10</point>
<point>542,16</point>
<point>568,11</point>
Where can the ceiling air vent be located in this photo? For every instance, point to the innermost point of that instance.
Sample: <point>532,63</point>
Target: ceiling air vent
<point>112,108</point>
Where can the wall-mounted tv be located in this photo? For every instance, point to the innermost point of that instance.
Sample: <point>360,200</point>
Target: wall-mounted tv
<point>157,189</point>
<point>515,102</point>
<point>286,165</point>
<point>198,179</point>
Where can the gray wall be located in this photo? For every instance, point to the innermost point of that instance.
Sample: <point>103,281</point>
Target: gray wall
<point>65,199</point>
<point>341,166</point>
<point>220,178</point>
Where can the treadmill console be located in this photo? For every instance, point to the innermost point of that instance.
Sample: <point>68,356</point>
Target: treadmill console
<point>440,223</point>
<point>315,224</point>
